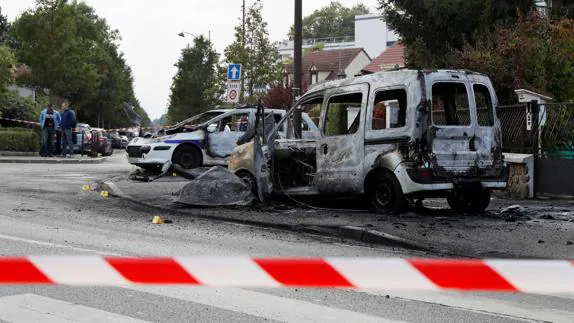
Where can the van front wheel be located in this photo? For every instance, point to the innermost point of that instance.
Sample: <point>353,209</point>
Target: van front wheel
<point>468,203</point>
<point>387,195</point>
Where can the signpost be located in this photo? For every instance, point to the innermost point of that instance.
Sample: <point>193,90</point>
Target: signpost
<point>233,83</point>
<point>233,91</point>
<point>234,72</point>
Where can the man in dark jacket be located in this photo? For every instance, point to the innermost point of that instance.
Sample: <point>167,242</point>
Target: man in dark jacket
<point>68,123</point>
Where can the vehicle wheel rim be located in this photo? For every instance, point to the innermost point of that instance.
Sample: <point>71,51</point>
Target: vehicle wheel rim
<point>186,160</point>
<point>384,195</point>
<point>247,180</point>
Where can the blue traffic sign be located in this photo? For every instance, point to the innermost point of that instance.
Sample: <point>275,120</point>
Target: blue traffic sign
<point>234,72</point>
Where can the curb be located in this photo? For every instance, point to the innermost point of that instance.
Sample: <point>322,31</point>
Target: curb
<point>348,232</point>
<point>18,154</point>
<point>52,161</point>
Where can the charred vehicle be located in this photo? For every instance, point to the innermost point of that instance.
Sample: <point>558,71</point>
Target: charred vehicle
<point>204,140</point>
<point>392,136</point>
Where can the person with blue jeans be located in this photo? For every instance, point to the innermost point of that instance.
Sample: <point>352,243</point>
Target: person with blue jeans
<point>49,121</point>
<point>68,123</point>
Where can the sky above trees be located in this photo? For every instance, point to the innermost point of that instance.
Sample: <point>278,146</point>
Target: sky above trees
<point>149,33</point>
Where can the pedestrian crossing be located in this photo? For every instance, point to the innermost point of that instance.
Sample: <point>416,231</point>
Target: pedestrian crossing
<point>29,307</point>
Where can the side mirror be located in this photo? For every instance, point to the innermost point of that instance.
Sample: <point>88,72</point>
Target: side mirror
<point>212,127</point>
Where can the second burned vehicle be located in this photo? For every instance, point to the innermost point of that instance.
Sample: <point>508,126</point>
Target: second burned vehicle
<point>206,139</point>
<point>391,136</point>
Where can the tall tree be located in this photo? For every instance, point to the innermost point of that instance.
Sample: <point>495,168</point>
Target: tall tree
<point>260,58</point>
<point>196,86</point>
<point>74,53</point>
<point>334,20</point>
<point>431,28</point>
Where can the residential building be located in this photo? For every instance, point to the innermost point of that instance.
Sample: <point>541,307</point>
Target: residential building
<point>392,58</point>
<point>329,65</point>
<point>371,33</point>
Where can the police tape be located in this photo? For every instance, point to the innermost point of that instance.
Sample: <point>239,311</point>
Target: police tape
<point>528,276</point>
<point>21,121</point>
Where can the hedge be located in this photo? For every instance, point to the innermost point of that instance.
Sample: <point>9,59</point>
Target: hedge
<point>19,139</point>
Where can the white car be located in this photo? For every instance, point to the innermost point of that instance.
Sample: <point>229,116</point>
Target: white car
<point>207,139</point>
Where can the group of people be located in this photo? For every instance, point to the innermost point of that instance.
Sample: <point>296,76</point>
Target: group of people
<point>51,122</point>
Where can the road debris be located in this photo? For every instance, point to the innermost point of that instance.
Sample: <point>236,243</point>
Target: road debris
<point>216,187</point>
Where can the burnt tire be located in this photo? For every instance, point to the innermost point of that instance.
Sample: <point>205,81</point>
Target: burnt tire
<point>187,157</point>
<point>248,179</point>
<point>386,194</point>
<point>469,203</point>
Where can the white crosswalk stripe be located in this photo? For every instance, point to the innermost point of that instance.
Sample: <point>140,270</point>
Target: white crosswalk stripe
<point>30,308</point>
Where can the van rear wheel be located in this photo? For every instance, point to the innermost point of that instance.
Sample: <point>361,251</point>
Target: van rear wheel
<point>387,195</point>
<point>469,202</point>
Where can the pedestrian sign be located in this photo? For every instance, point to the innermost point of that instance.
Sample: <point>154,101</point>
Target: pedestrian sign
<point>234,72</point>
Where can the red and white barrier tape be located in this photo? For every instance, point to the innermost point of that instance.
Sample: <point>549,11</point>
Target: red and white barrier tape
<point>530,276</point>
<point>20,121</point>
<point>37,124</point>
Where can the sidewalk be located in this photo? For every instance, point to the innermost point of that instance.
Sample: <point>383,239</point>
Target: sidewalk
<point>51,160</point>
<point>536,229</point>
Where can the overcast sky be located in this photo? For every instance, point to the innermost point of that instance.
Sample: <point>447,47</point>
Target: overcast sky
<point>149,31</point>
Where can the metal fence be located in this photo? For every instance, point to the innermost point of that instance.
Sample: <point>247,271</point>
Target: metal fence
<point>556,130</point>
<point>516,137</point>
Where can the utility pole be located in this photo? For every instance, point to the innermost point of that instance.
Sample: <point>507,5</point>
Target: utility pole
<point>297,65</point>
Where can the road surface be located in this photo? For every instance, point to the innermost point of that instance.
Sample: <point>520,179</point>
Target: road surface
<point>43,211</point>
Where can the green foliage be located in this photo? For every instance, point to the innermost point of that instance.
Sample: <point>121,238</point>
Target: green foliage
<point>260,58</point>
<point>432,28</point>
<point>315,48</point>
<point>74,53</point>
<point>535,53</point>
<point>5,28</point>
<point>13,106</point>
<point>334,20</point>
<point>7,62</point>
<point>197,85</point>
<point>18,139</point>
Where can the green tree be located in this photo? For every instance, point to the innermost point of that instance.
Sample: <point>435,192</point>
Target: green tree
<point>74,53</point>
<point>432,28</point>
<point>334,20</point>
<point>535,53</point>
<point>7,62</point>
<point>196,86</point>
<point>62,42</point>
<point>260,58</point>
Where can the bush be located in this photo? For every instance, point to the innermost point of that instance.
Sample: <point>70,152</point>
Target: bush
<point>19,139</point>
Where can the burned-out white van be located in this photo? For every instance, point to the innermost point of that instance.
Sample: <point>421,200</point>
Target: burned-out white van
<point>391,136</point>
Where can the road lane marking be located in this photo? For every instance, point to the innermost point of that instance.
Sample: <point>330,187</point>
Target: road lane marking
<point>482,305</point>
<point>260,304</point>
<point>28,308</point>
<point>56,245</point>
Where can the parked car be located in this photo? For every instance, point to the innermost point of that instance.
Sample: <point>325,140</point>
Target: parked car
<point>118,142</point>
<point>104,142</point>
<point>128,134</point>
<point>390,136</point>
<point>205,139</point>
<point>82,139</point>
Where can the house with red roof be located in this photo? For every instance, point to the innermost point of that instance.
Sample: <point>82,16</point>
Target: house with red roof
<point>329,65</point>
<point>392,58</point>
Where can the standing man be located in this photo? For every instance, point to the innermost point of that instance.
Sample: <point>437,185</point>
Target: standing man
<point>49,121</point>
<point>68,123</point>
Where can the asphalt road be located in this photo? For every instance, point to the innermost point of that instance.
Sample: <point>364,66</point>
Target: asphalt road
<point>44,212</point>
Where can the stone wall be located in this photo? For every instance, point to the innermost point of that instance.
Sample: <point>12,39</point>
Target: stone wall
<point>518,181</point>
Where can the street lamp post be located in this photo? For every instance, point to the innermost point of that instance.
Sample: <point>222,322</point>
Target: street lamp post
<point>183,33</point>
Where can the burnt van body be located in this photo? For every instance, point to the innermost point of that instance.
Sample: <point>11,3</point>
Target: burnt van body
<point>392,136</point>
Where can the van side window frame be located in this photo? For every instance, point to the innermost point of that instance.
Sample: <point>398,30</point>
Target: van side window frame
<point>469,98</point>
<point>289,113</point>
<point>492,103</point>
<point>371,108</point>
<point>360,88</point>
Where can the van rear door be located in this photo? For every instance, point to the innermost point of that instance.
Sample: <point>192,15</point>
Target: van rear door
<point>463,142</point>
